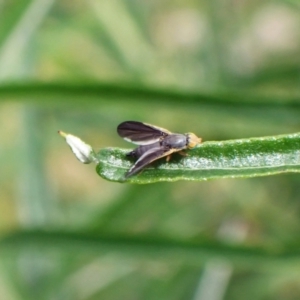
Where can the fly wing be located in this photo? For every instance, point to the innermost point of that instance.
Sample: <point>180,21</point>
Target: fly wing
<point>142,149</point>
<point>148,157</point>
<point>141,133</point>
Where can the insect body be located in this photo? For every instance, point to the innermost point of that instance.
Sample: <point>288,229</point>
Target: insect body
<point>154,143</point>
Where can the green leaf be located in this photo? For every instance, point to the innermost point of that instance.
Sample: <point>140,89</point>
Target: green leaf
<point>193,252</point>
<point>99,92</point>
<point>225,159</point>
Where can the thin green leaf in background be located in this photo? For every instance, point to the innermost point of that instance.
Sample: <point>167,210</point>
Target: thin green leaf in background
<point>191,252</point>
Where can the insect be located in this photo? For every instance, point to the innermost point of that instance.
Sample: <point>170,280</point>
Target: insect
<point>154,142</point>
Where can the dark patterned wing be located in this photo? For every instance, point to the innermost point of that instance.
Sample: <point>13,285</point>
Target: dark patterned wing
<point>140,150</point>
<point>148,157</point>
<point>141,133</point>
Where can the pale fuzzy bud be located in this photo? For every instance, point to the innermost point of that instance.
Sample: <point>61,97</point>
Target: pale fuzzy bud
<point>82,151</point>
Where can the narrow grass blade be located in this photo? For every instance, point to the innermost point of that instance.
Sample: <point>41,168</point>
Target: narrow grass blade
<point>226,159</point>
<point>141,247</point>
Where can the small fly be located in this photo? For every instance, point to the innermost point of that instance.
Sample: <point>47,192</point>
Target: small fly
<point>154,143</point>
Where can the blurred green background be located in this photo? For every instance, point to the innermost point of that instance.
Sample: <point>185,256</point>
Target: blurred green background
<point>86,66</point>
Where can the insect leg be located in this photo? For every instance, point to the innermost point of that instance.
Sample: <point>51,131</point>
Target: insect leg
<point>182,153</point>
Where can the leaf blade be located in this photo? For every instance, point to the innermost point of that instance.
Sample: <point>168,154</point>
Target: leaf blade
<point>193,252</point>
<point>226,159</point>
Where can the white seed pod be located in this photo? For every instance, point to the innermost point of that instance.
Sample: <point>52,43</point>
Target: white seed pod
<point>82,151</point>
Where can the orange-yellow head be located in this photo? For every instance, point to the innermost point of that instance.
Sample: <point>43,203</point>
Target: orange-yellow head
<point>193,140</point>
